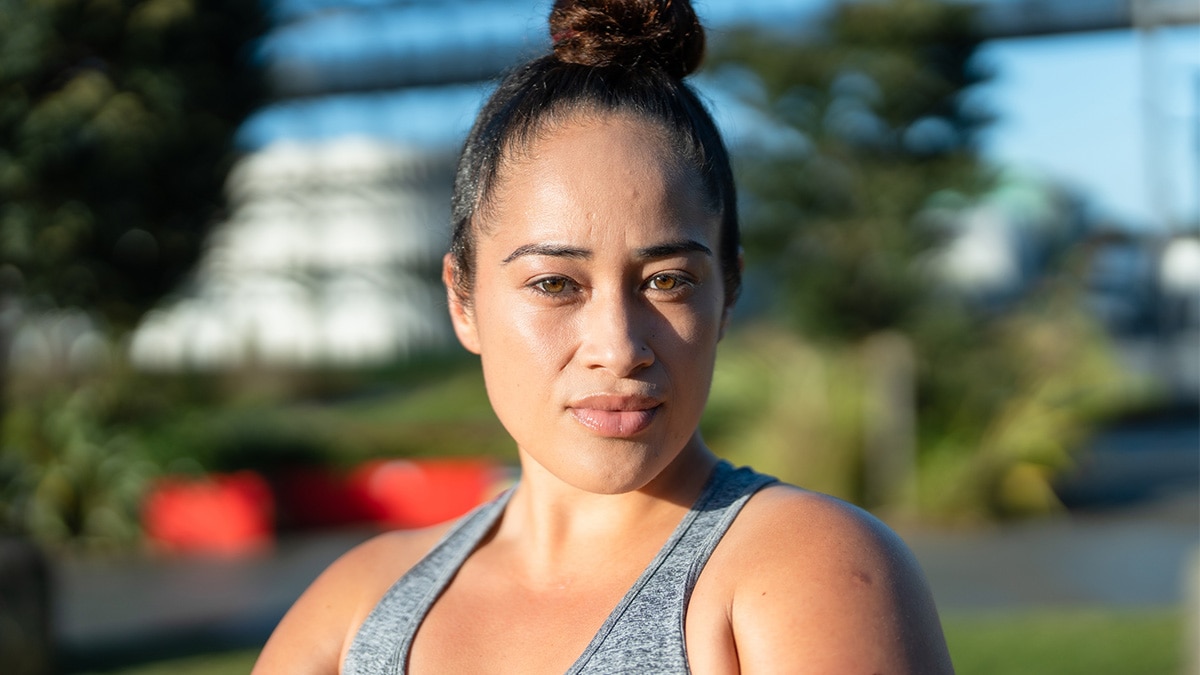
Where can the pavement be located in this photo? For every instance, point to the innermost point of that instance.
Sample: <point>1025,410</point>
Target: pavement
<point>1127,560</point>
<point>120,611</point>
<point>1138,547</point>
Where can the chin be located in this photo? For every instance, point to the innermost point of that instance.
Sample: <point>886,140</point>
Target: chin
<point>612,468</point>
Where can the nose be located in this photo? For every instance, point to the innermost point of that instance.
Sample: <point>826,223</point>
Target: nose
<point>616,332</point>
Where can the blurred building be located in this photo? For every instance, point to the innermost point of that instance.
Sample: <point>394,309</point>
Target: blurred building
<point>330,257</point>
<point>340,206</point>
<point>1142,287</point>
<point>1000,246</point>
<point>1145,290</point>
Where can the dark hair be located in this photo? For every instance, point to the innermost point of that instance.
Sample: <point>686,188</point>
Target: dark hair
<point>610,56</point>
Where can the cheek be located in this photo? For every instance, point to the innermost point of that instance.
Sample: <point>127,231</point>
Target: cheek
<point>523,353</point>
<point>521,349</point>
<point>686,347</point>
<point>693,328</point>
<point>519,332</point>
<point>509,326</point>
<point>693,352</point>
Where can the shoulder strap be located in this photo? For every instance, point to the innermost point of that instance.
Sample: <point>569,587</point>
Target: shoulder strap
<point>382,643</point>
<point>645,632</point>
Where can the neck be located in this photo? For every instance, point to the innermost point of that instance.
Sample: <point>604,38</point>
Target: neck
<point>556,529</point>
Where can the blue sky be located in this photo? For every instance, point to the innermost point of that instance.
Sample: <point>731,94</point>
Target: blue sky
<point>1074,108</point>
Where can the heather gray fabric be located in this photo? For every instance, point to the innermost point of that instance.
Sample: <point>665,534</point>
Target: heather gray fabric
<point>644,634</point>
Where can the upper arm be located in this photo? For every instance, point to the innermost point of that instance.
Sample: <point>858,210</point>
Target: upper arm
<point>831,590</point>
<point>312,636</point>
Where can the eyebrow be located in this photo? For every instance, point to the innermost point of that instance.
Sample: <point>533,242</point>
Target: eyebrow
<point>674,248</point>
<point>649,252</point>
<point>553,250</point>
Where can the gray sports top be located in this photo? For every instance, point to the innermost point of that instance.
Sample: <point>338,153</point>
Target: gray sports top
<point>643,634</point>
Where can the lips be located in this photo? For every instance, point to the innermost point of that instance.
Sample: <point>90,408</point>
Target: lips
<point>615,416</point>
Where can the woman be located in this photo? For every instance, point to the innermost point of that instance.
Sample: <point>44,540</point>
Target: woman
<point>594,263</point>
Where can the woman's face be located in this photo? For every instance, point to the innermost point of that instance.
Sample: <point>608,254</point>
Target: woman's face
<point>598,302</point>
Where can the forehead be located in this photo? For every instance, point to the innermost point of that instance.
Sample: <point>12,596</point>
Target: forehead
<point>628,140</point>
<point>591,174</point>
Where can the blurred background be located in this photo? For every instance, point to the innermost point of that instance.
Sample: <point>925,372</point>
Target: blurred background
<point>972,306</point>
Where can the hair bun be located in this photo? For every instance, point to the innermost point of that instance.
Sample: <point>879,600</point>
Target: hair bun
<point>628,33</point>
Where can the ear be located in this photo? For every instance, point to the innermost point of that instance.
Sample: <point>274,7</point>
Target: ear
<point>728,311</point>
<point>461,316</point>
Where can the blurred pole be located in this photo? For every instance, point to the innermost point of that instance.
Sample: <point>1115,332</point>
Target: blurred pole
<point>1145,22</point>
<point>11,287</point>
<point>889,434</point>
<point>25,641</point>
<point>1191,615</point>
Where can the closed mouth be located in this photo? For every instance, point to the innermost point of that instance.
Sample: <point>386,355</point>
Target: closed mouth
<point>616,416</point>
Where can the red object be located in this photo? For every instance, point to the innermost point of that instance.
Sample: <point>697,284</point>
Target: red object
<point>223,514</point>
<point>419,493</point>
<point>317,497</point>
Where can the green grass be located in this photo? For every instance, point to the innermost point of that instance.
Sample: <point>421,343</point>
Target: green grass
<point>1066,642</point>
<point>1040,642</point>
<point>227,663</point>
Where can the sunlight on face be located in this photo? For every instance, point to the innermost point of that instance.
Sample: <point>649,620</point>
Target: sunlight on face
<point>598,302</point>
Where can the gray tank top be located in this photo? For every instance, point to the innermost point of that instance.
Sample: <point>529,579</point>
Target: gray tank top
<point>643,634</point>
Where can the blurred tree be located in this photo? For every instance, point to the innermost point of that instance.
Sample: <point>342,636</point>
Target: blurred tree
<point>116,118</point>
<point>68,472</point>
<point>880,111</point>
<point>116,121</point>
<point>847,201</point>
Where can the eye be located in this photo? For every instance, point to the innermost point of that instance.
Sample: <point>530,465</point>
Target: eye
<point>663,282</point>
<point>552,285</point>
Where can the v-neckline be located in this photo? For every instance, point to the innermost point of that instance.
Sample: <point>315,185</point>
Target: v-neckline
<point>648,573</point>
<point>491,519</point>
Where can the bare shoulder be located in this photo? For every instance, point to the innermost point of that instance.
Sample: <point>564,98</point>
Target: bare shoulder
<point>316,631</point>
<point>791,526</point>
<point>821,586</point>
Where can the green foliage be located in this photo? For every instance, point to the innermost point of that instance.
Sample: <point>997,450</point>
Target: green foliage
<point>788,408</point>
<point>844,218</point>
<point>1002,419</point>
<point>226,663</point>
<point>1003,414</point>
<point>116,120</point>
<point>878,105</point>
<point>77,457</point>
<point>70,472</point>
<point>408,414</point>
<point>115,124</point>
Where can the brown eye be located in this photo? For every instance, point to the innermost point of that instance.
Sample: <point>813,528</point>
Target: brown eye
<point>664,282</point>
<point>553,285</point>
